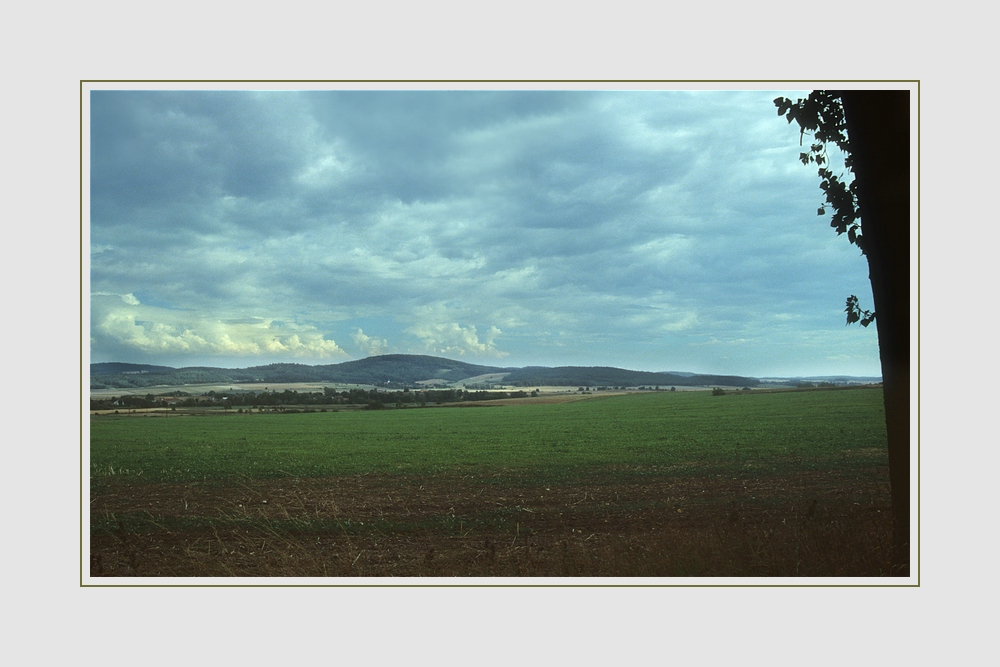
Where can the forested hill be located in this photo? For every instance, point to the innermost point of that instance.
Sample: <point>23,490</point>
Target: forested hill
<point>409,369</point>
<point>393,370</point>
<point>599,376</point>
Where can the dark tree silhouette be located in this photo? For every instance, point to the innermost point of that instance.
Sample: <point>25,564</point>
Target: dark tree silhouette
<point>872,127</point>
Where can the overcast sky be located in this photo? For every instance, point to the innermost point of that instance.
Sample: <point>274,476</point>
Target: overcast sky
<point>651,230</point>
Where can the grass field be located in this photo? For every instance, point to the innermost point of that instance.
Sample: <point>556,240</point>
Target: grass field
<point>655,484</point>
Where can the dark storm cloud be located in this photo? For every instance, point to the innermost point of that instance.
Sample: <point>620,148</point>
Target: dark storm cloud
<point>534,223</point>
<point>151,146</point>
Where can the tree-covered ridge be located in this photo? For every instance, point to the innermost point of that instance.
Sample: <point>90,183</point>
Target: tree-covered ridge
<point>603,375</point>
<point>408,369</point>
<point>399,370</point>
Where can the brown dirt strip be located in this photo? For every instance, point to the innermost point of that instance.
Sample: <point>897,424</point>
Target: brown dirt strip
<point>818,523</point>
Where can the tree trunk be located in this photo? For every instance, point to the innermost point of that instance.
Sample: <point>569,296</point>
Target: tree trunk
<point>878,127</point>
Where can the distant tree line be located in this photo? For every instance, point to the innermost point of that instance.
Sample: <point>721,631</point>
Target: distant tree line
<point>369,398</point>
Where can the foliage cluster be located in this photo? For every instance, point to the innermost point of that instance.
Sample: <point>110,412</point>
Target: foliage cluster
<point>822,114</point>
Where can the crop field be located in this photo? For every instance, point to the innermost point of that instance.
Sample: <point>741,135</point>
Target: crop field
<point>642,485</point>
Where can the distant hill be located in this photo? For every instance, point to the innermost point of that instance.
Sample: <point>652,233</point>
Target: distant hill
<point>832,379</point>
<point>603,376</point>
<point>841,379</point>
<point>407,369</point>
<point>394,370</point>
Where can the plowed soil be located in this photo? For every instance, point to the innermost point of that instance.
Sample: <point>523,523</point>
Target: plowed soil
<point>625,523</point>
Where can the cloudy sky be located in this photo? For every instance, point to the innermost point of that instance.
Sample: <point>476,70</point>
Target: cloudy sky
<point>651,230</point>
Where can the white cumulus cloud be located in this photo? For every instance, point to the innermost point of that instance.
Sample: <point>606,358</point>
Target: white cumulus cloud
<point>125,323</point>
<point>369,344</point>
<point>452,338</point>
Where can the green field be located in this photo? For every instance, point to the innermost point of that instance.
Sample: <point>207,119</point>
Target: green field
<point>616,463</point>
<point>656,429</point>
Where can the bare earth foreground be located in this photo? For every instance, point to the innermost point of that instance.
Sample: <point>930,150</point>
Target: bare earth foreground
<point>661,484</point>
<point>645,523</point>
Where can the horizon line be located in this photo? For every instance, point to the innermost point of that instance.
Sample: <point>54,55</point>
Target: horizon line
<point>375,356</point>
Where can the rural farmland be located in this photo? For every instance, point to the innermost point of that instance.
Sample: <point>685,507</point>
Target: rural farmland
<point>651,484</point>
